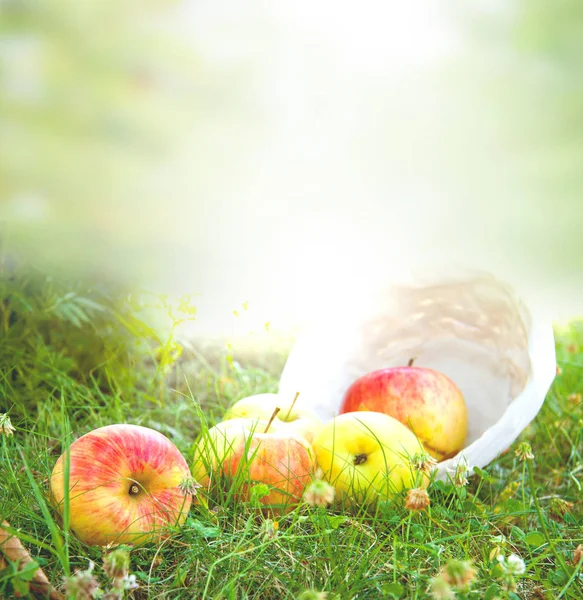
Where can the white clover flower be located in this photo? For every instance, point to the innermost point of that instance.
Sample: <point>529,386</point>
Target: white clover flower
<point>524,452</point>
<point>439,589</point>
<point>516,565</point>
<point>6,427</point>
<point>424,462</point>
<point>319,493</point>
<point>513,565</point>
<point>459,475</point>
<point>82,584</point>
<point>130,582</point>
<point>188,486</point>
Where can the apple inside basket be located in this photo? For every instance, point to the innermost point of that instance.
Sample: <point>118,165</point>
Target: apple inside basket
<point>473,328</point>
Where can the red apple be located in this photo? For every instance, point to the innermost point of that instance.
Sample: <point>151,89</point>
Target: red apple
<point>245,452</point>
<point>123,485</point>
<point>425,400</point>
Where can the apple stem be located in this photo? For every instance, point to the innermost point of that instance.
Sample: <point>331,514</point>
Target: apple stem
<point>359,459</point>
<point>277,409</point>
<point>411,361</point>
<point>291,407</point>
<point>134,489</point>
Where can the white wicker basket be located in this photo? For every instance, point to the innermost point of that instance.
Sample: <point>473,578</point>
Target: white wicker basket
<point>472,327</point>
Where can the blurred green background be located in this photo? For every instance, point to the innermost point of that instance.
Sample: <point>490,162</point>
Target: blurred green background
<point>276,155</point>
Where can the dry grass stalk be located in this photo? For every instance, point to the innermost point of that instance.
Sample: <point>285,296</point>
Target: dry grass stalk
<point>12,549</point>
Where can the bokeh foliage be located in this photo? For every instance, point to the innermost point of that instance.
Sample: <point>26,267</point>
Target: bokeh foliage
<point>93,94</point>
<point>525,64</point>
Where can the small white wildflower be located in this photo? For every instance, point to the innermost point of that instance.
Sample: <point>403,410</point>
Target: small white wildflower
<point>82,584</point>
<point>516,565</point>
<point>459,475</point>
<point>116,564</point>
<point>6,427</point>
<point>513,565</point>
<point>130,582</point>
<point>319,493</point>
<point>439,589</point>
<point>424,462</point>
<point>269,529</point>
<point>458,573</point>
<point>524,452</point>
<point>188,486</point>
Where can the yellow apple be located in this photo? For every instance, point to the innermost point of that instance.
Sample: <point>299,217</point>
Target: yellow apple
<point>292,414</point>
<point>367,456</point>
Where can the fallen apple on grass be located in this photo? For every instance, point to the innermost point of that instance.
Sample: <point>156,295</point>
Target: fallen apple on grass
<point>367,456</point>
<point>425,400</point>
<point>291,414</point>
<point>124,485</point>
<point>235,455</point>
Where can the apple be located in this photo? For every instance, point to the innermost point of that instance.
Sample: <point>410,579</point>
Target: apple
<point>261,406</point>
<point>367,456</point>
<point>123,485</point>
<point>425,400</point>
<point>245,452</point>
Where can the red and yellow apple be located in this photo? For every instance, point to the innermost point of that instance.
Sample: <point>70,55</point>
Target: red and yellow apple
<point>367,456</point>
<point>292,414</point>
<point>425,400</point>
<point>244,452</point>
<point>123,485</point>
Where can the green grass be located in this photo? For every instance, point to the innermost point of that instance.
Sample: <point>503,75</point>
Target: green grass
<point>74,358</point>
